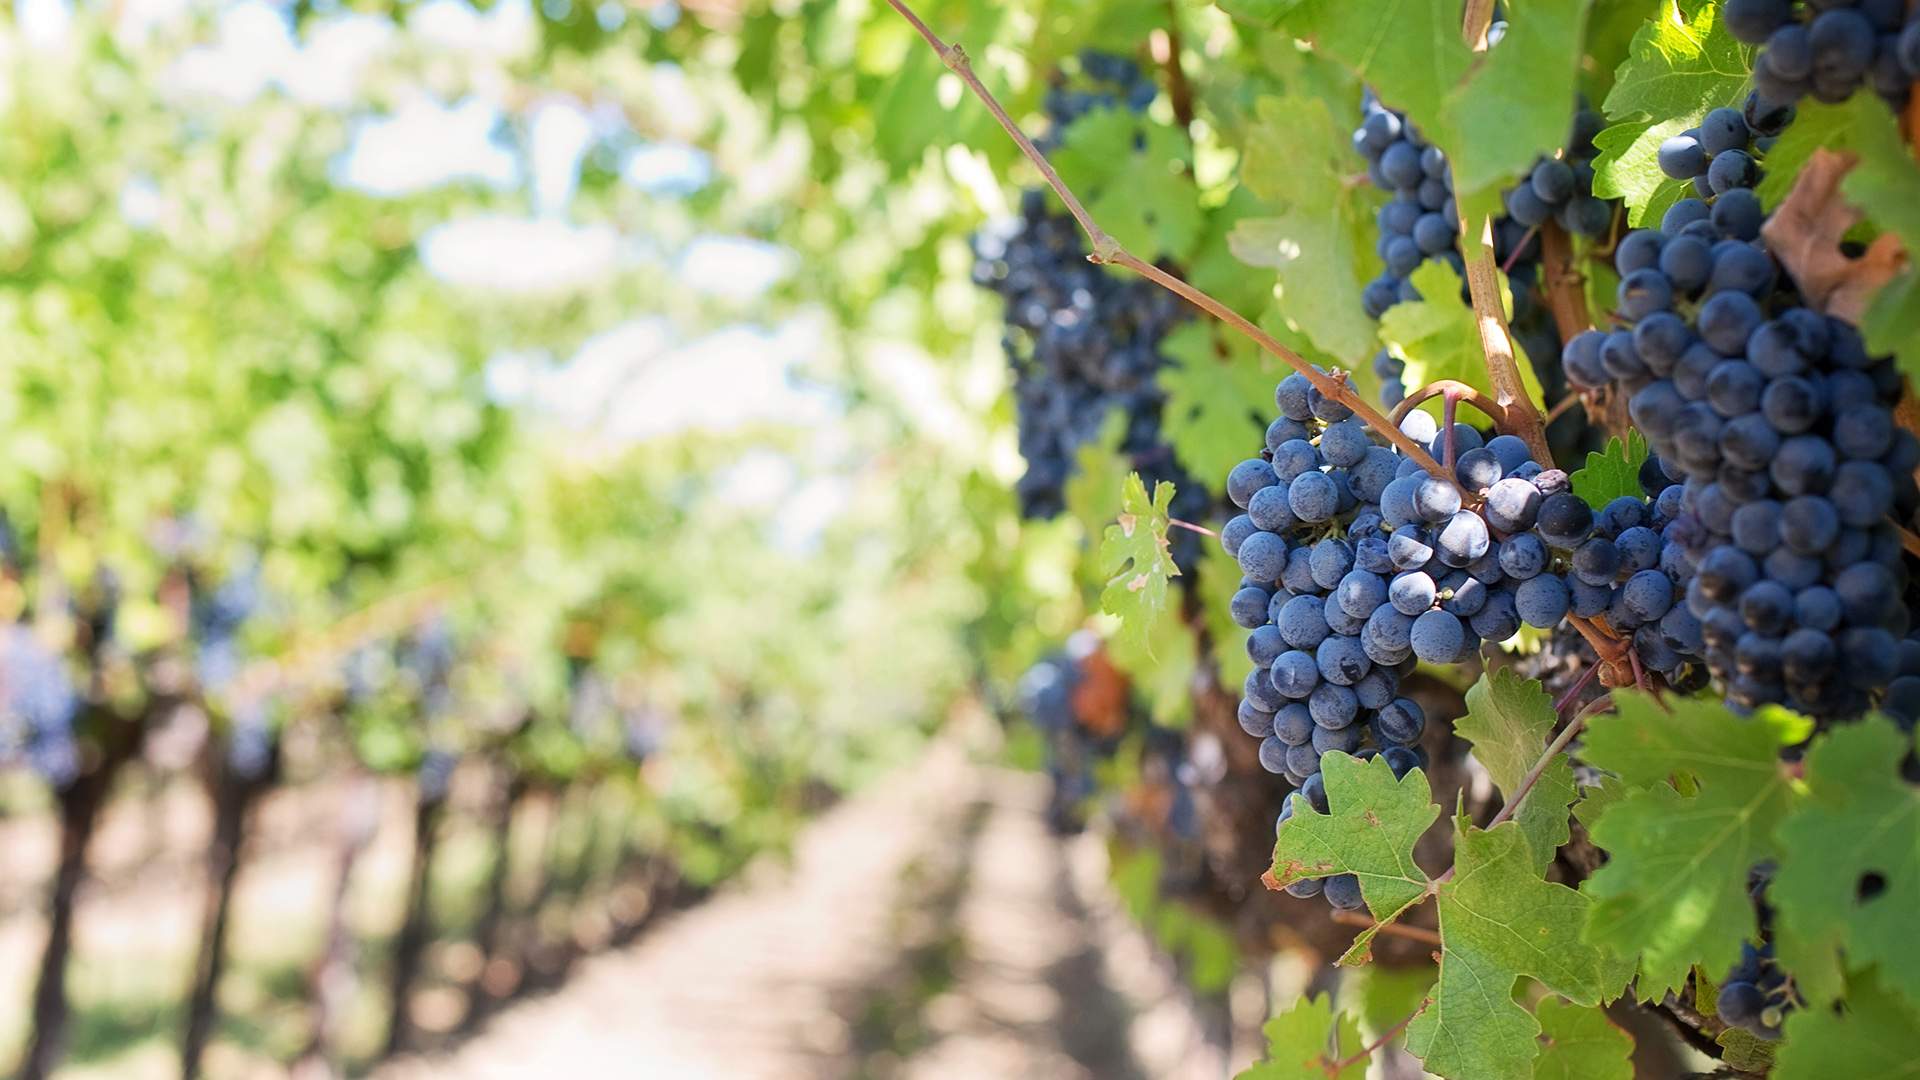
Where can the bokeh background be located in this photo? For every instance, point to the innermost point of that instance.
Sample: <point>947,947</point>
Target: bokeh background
<point>511,564</point>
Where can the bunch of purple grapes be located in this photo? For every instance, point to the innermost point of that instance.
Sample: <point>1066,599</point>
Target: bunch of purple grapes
<point>1780,423</point>
<point>1358,564</point>
<point>1829,49</point>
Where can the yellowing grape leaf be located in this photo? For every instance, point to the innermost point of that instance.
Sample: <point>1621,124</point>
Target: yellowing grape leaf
<point>1137,561</point>
<point>1613,473</point>
<point>1580,1043</point>
<point>1509,722</point>
<point>1848,881</point>
<point>1500,920</point>
<point>1438,338</point>
<point>1674,890</point>
<point>1307,1042</point>
<point>1370,832</point>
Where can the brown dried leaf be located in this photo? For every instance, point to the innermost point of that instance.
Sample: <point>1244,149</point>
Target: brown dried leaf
<point>1804,233</point>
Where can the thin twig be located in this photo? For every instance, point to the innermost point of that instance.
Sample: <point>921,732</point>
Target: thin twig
<point>1907,539</point>
<point>1474,23</point>
<point>1411,933</point>
<point>1564,404</point>
<point>1191,527</point>
<point>1573,691</point>
<point>1538,770</point>
<point>1106,251</point>
<point>1334,1068</point>
<point>1449,410</point>
<point>1518,249</point>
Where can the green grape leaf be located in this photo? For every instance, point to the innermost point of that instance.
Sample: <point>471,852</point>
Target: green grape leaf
<point>1613,473</point>
<point>1298,158</point>
<point>1215,268</point>
<point>1306,1041</point>
<point>1674,890</point>
<point>1873,1039</point>
<point>1219,579</point>
<point>1580,1043</point>
<point>1438,338</point>
<point>1137,561</point>
<point>1409,51</point>
<point>1681,65</point>
<point>1500,920</point>
<point>1885,186</point>
<point>1518,102</point>
<point>1836,127</point>
<point>1098,479</point>
<point>1370,832</point>
<point>1509,721</point>
<point>1215,388</point>
<point>1856,834</point>
<point>1131,173</point>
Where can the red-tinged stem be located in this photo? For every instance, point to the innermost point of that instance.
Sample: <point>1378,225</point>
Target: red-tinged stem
<point>1334,1068</point>
<point>1449,409</point>
<point>1391,929</point>
<point>1514,255</point>
<point>1573,692</point>
<point>1106,251</point>
<point>1460,390</point>
<point>1191,527</point>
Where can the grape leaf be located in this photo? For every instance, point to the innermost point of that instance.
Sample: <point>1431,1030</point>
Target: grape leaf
<point>1409,51</point>
<point>1214,387</point>
<point>1130,171</point>
<point>1137,561</point>
<point>1298,157</point>
<point>1579,1043</point>
<point>1370,833</point>
<point>1682,65</point>
<point>1836,127</point>
<point>1614,473</point>
<point>1302,1042</point>
<point>1885,185</point>
<point>1509,722</point>
<point>1498,921</point>
<point>1674,890</point>
<point>1518,103</point>
<point>1438,338</point>
<point>1859,825</point>
<point>1873,1039</point>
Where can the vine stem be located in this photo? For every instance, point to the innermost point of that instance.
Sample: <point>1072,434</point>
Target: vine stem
<point>1178,88</point>
<point>1411,933</point>
<point>1474,23</point>
<point>1191,527</point>
<point>1566,293</point>
<point>1107,251</point>
<point>1455,389</point>
<point>1366,1052</point>
<point>1502,369</point>
<point>1539,769</point>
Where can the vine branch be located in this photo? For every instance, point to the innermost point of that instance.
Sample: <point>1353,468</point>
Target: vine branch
<point>1107,251</point>
<point>1391,929</point>
<point>1458,390</point>
<point>1334,1068</point>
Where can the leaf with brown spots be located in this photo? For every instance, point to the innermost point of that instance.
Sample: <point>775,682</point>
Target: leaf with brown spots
<point>1137,561</point>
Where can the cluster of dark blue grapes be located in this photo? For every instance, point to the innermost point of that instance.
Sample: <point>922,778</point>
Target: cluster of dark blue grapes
<point>1723,152</point>
<point>1082,342</point>
<point>1358,564</point>
<point>1755,993</point>
<point>38,705</point>
<point>1781,426</point>
<point>1830,48</point>
<point>1045,694</point>
<point>1420,221</point>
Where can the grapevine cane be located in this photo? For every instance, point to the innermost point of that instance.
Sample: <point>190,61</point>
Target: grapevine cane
<point>1107,251</point>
